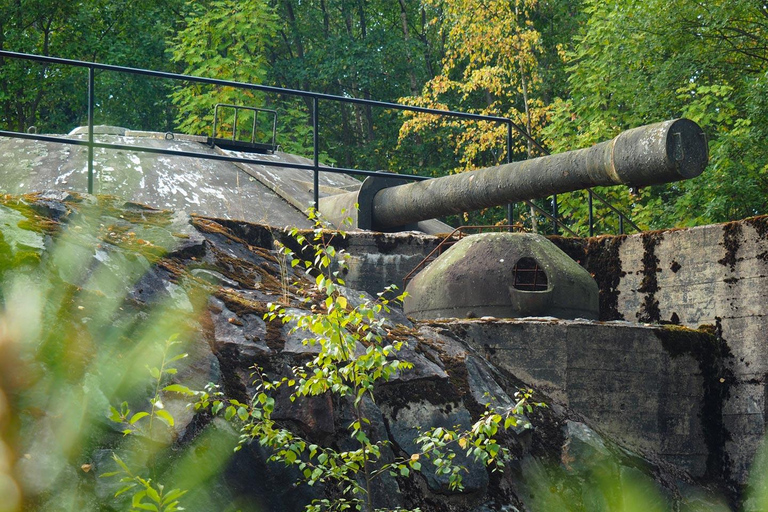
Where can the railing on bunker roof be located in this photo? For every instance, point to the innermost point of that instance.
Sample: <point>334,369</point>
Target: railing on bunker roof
<point>315,167</point>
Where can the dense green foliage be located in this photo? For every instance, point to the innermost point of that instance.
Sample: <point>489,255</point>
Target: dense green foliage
<point>571,73</point>
<point>221,39</point>
<point>53,98</point>
<point>702,60</point>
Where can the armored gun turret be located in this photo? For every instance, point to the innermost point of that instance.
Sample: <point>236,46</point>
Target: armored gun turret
<point>649,155</point>
<point>508,275</point>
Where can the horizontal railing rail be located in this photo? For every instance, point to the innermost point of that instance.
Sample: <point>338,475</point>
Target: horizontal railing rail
<point>315,97</point>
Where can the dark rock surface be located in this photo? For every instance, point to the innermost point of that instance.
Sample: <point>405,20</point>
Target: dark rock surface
<point>122,273</point>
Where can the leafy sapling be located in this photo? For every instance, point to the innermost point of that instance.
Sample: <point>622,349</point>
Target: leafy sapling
<point>355,354</point>
<point>480,443</point>
<point>147,494</point>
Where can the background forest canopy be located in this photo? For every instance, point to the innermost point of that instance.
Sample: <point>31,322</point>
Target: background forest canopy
<point>572,73</point>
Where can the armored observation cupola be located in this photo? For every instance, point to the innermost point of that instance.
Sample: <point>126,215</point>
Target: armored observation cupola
<point>503,275</point>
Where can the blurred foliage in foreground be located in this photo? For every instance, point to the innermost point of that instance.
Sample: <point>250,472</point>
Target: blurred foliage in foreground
<point>74,340</point>
<point>90,350</point>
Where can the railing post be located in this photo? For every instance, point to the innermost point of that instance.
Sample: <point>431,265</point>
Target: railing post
<point>591,217</point>
<point>510,206</point>
<point>316,156</point>
<point>90,128</point>
<point>234,126</point>
<point>554,214</point>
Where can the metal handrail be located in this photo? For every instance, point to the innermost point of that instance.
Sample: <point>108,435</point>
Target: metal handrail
<point>314,96</point>
<point>550,216</point>
<point>238,108</point>
<point>622,218</point>
<point>92,66</point>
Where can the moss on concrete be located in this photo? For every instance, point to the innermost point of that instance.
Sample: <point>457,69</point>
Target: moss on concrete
<point>649,310</point>
<point>732,240</point>
<point>713,356</point>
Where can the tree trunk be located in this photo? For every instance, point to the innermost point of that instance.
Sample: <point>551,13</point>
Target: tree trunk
<point>408,58</point>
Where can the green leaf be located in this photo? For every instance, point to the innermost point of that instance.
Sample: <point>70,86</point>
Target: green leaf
<point>136,417</point>
<point>153,495</point>
<point>178,388</point>
<point>114,415</point>
<point>165,416</point>
<point>136,500</point>
<point>177,358</point>
<point>173,495</point>
<point>147,506</point>
<point>125,489</point>
<point>121,463</point>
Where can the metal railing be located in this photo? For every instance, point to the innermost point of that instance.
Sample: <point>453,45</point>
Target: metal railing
<point>236,143</point>
<point>315,98</point>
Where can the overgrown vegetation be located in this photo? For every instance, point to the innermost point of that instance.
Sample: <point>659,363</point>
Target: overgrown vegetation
<point>93,380</point>
<point>354,355</point>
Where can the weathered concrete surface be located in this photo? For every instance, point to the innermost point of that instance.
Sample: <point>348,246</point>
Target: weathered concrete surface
<point>174,262</point>
<point>255,193</point>
<point>475,278</point>
<point>380,259</point>
<point>715,275</point>
<point>692,276</point>
<point>645,385</point>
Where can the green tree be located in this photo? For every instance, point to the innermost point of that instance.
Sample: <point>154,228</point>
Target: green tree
<point>493,65</point>
<point>51,97</point>
<point>372,49</point>
<point>223,39</point>
<point>705,61</point>
<point>490,67</point>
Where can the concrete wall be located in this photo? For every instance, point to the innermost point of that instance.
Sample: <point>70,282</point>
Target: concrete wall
<point>632,381</point>
<point>705,275</point>
<point>378,259</point>
<point>699,276</point>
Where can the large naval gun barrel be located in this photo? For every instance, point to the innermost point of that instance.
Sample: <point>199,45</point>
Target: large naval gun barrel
<point>649,155</point>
